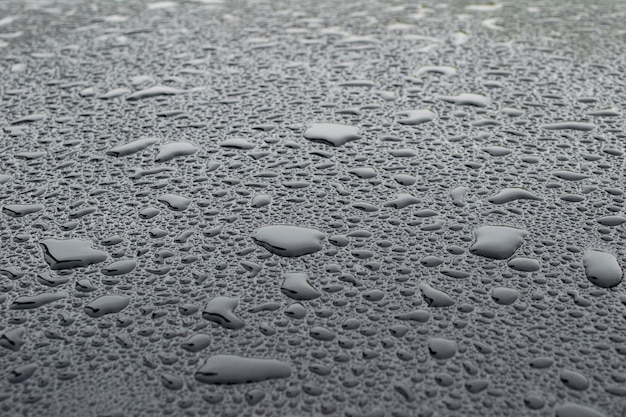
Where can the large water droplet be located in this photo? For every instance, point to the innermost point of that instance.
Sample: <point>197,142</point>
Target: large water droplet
<point>221,310</point>
<point>70,253</point>
<point>334,134</point>
<point>296,285</point>
<point>576,410</point>
<point>231,369</point>
<point>602,269</point>
<point>497,242</point>
<point>107,304</point>
<point>289,241</point>
<point>441,348</point>
<point>170,151</point>
<point>132,147</point>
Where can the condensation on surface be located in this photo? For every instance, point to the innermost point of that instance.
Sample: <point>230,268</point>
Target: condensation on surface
<point>289,208</point>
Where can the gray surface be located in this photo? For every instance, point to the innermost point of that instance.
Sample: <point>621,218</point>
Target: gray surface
<point>139,279</point>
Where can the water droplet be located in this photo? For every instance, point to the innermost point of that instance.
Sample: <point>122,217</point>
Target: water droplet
<point>27,302</point>
<point>289,241</point>
<point>296,285</point>
<point>107,304</point>
<point>231,369</point>
<point>221,310</point>
<point>467,99</point>
<point>70,253</point>
<point>524,264</point>
<point>173,150</point>
<point>416,117</point>
<point>175,202</point>
<point>334,134</point>
<point>602,269</point>
<point>434,297</point>
<point>441,348</point>
<point>582,126</point>
<point>196,343</point>
<point>497,242</point>
<point>22,373</point>
<point>21,210</point>
<point>154,91</point>
<point>507,195</point>
<point>132,147</point>
<point>576,410</point>
<point>13,339</point>
<point>505,296</point>
<point>119,267</point>
<point>574,380</point>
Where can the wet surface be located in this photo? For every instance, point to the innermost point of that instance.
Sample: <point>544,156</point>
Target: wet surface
<point>312,208</point>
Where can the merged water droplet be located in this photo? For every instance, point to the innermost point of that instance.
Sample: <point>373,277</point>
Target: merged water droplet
<point>435,297</point>
<point>507,195</point>
<point>296,285</point>
<point>70,253</point>
<point>22,373</point>
<point>231,369</point>
<point>154,91</point>
<point>467,99</point>
<point>237,143</point>
<point>497,242</point>
<point>21,210</point>
<point>582,126</point>
<point>175,202</point>
<point>221,310</point>
<point>576,410</point>
<point>416,117</point>
<point>402,200</point>
<point>107,304</point>
<point>334,134</point>
<point>288,240</point>
<point>119,267</point>
<point>13,339</point>
<point>602,269</point>
<point>441,348</point>
<point>173,150</point>
<point>132,147</point>
<point>27,302</point>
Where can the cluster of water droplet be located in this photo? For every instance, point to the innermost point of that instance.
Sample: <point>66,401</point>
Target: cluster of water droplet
<point>296,208</point>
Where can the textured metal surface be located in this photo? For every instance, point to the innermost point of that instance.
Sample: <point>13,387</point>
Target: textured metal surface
<point>289,208</point>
